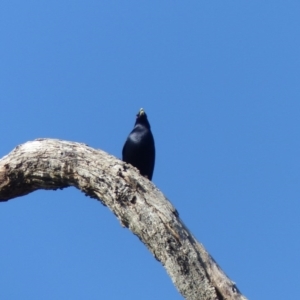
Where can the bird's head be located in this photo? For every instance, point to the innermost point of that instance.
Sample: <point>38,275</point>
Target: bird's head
<point>141,118</point>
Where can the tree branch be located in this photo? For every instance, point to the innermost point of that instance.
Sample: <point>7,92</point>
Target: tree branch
<point>136,202</point>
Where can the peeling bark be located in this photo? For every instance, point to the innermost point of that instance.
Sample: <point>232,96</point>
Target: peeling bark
<point>54,164</point>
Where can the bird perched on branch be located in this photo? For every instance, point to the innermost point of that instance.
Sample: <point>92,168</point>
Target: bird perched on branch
<point>139,149</point>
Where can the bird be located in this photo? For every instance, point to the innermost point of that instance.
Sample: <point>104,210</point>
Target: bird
<point>139,148</point>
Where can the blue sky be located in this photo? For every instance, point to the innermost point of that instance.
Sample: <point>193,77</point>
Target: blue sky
<point>219,81</point>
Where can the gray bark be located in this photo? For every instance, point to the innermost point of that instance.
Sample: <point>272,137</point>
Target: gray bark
<point>54,164</point>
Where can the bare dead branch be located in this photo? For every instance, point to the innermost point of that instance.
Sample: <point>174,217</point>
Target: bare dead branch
<point>136,202</point>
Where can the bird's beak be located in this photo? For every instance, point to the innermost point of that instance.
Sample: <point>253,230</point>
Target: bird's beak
<point>141,112</point>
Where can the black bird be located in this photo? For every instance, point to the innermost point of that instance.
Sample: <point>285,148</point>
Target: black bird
<point>139,149</point>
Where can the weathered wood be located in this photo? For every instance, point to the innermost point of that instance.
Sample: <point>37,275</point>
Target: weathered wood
<point>136,202</point>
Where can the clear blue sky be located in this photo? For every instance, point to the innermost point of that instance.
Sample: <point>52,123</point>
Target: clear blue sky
<point>220,83</point>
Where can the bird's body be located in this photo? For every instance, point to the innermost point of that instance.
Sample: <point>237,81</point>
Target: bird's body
<point>139,148</point>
